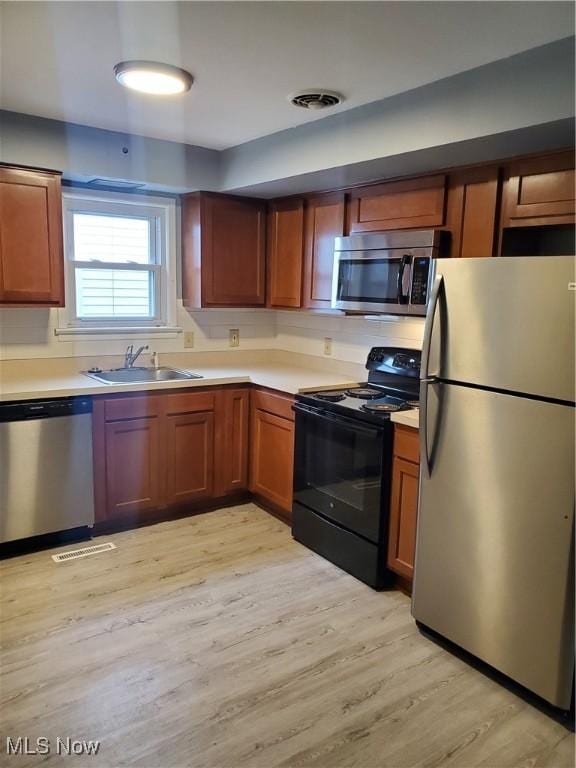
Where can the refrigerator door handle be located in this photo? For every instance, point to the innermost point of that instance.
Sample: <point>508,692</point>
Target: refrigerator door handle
<point>426,379</point>
<point>425,460</point>
<point>429,326</point>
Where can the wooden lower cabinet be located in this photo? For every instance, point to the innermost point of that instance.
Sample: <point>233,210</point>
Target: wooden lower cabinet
<point>167,450</point>
<point>272,450</point>
<point>403,502</point>
<point>233,435</point>
<point>153,452</point>
<point>189,457</point>
<point>133,466</point>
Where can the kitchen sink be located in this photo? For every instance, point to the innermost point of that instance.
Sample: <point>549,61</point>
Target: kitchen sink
<point>138,375</point>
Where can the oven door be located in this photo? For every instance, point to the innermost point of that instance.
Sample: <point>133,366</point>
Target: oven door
<point>339,469</point>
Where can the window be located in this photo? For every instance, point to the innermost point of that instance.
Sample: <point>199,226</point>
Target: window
<point>120,261</point>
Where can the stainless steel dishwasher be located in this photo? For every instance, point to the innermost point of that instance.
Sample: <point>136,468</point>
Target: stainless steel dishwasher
<point>46,483</point>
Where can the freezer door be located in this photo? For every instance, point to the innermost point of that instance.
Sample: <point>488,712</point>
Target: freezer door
<point>494,567</point>
<point>506,323</point>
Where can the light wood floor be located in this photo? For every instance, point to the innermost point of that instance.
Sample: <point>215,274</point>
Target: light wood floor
<point>218,642</point>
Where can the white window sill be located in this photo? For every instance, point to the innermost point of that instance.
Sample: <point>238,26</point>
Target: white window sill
<point>165,331</point>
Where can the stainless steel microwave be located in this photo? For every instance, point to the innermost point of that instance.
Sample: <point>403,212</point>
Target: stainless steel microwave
<point>387,272</point>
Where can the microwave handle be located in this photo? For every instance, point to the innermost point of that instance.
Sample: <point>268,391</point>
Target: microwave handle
<point>403,297</point>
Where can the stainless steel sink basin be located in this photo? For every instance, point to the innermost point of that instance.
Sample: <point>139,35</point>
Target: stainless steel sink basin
<point>138,375</point>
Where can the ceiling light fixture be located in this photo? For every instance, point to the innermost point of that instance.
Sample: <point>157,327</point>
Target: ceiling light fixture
<point>153,77</point>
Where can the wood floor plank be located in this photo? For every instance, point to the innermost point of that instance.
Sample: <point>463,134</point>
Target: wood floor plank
<point>218,642</point>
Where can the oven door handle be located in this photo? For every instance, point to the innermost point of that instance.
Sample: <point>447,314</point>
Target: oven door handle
<point>337,419</point>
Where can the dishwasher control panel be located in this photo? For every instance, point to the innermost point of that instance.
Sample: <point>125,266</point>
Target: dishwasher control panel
<point>44,409</point>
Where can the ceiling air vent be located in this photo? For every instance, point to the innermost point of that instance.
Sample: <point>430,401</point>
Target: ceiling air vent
<point>315,99</point>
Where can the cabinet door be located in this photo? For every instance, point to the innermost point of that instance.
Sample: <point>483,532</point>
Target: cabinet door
<point>398,205</point>
<point>324,220</point>
<point>403,516</point>
<point>471,212</point>
<point>272,459</point>
<point>31,256</point>
<point>133,466</point>
<point>539,191</point>
<point>223,251</point>
<point>285,253</point>
<point>189,457</point>
<point>232,452</point>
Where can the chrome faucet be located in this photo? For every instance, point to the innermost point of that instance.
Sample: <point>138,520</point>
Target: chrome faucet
<point>130,356</point>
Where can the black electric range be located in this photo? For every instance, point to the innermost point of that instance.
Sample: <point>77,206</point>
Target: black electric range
<point>343,464</point>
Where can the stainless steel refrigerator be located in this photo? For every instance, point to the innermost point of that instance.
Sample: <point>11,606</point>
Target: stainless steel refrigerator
<point>494,569</point>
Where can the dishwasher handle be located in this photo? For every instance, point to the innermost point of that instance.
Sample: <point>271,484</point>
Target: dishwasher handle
<point>44,409</point>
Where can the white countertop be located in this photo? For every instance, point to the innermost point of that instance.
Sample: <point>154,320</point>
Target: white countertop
<point>407,418</point>
<point>32,380</point>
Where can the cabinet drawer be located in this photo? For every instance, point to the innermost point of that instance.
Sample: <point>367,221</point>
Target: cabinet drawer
<point>131,407</point>
<point>406,443</point>
<point>279,405</point>
<point>188,402</point>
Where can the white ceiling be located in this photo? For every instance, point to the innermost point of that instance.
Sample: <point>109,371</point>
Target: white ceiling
<point>246,57</point>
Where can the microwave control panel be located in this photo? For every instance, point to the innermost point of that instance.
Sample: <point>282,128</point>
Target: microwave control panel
<point>420,272</point>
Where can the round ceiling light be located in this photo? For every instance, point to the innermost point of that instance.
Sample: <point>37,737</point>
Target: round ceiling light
<point>153,77</point>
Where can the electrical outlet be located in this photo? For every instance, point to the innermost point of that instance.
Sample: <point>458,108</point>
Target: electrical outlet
<point>188,339</point>
<point>234,337</point>
<point>327,346</point>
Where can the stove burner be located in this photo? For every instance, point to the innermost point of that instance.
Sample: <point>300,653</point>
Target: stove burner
<point>364,393</point>
<point>385,405</point>
<point>331,397</point>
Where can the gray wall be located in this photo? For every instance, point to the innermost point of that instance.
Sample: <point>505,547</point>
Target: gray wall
<point>83,153</point>
<point>520,94</point>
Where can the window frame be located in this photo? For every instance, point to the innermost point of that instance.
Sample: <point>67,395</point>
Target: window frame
<point>161,214</point>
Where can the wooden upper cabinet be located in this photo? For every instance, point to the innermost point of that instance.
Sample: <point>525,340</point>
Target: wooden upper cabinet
<point>31,254</point>
<point>539,191</point>
<point>472,211</point>
<point>223,251</point>
<point>285,253</point>
<point>407,204</point>
<point>324,220</point>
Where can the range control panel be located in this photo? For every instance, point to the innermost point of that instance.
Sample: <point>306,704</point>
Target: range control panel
<point>395,360</point>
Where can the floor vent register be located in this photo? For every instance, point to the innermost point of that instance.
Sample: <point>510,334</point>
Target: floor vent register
<point>75,554</point>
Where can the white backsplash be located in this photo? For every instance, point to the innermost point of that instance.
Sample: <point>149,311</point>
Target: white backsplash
<point>29,333</point>
<point>351,337</point>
